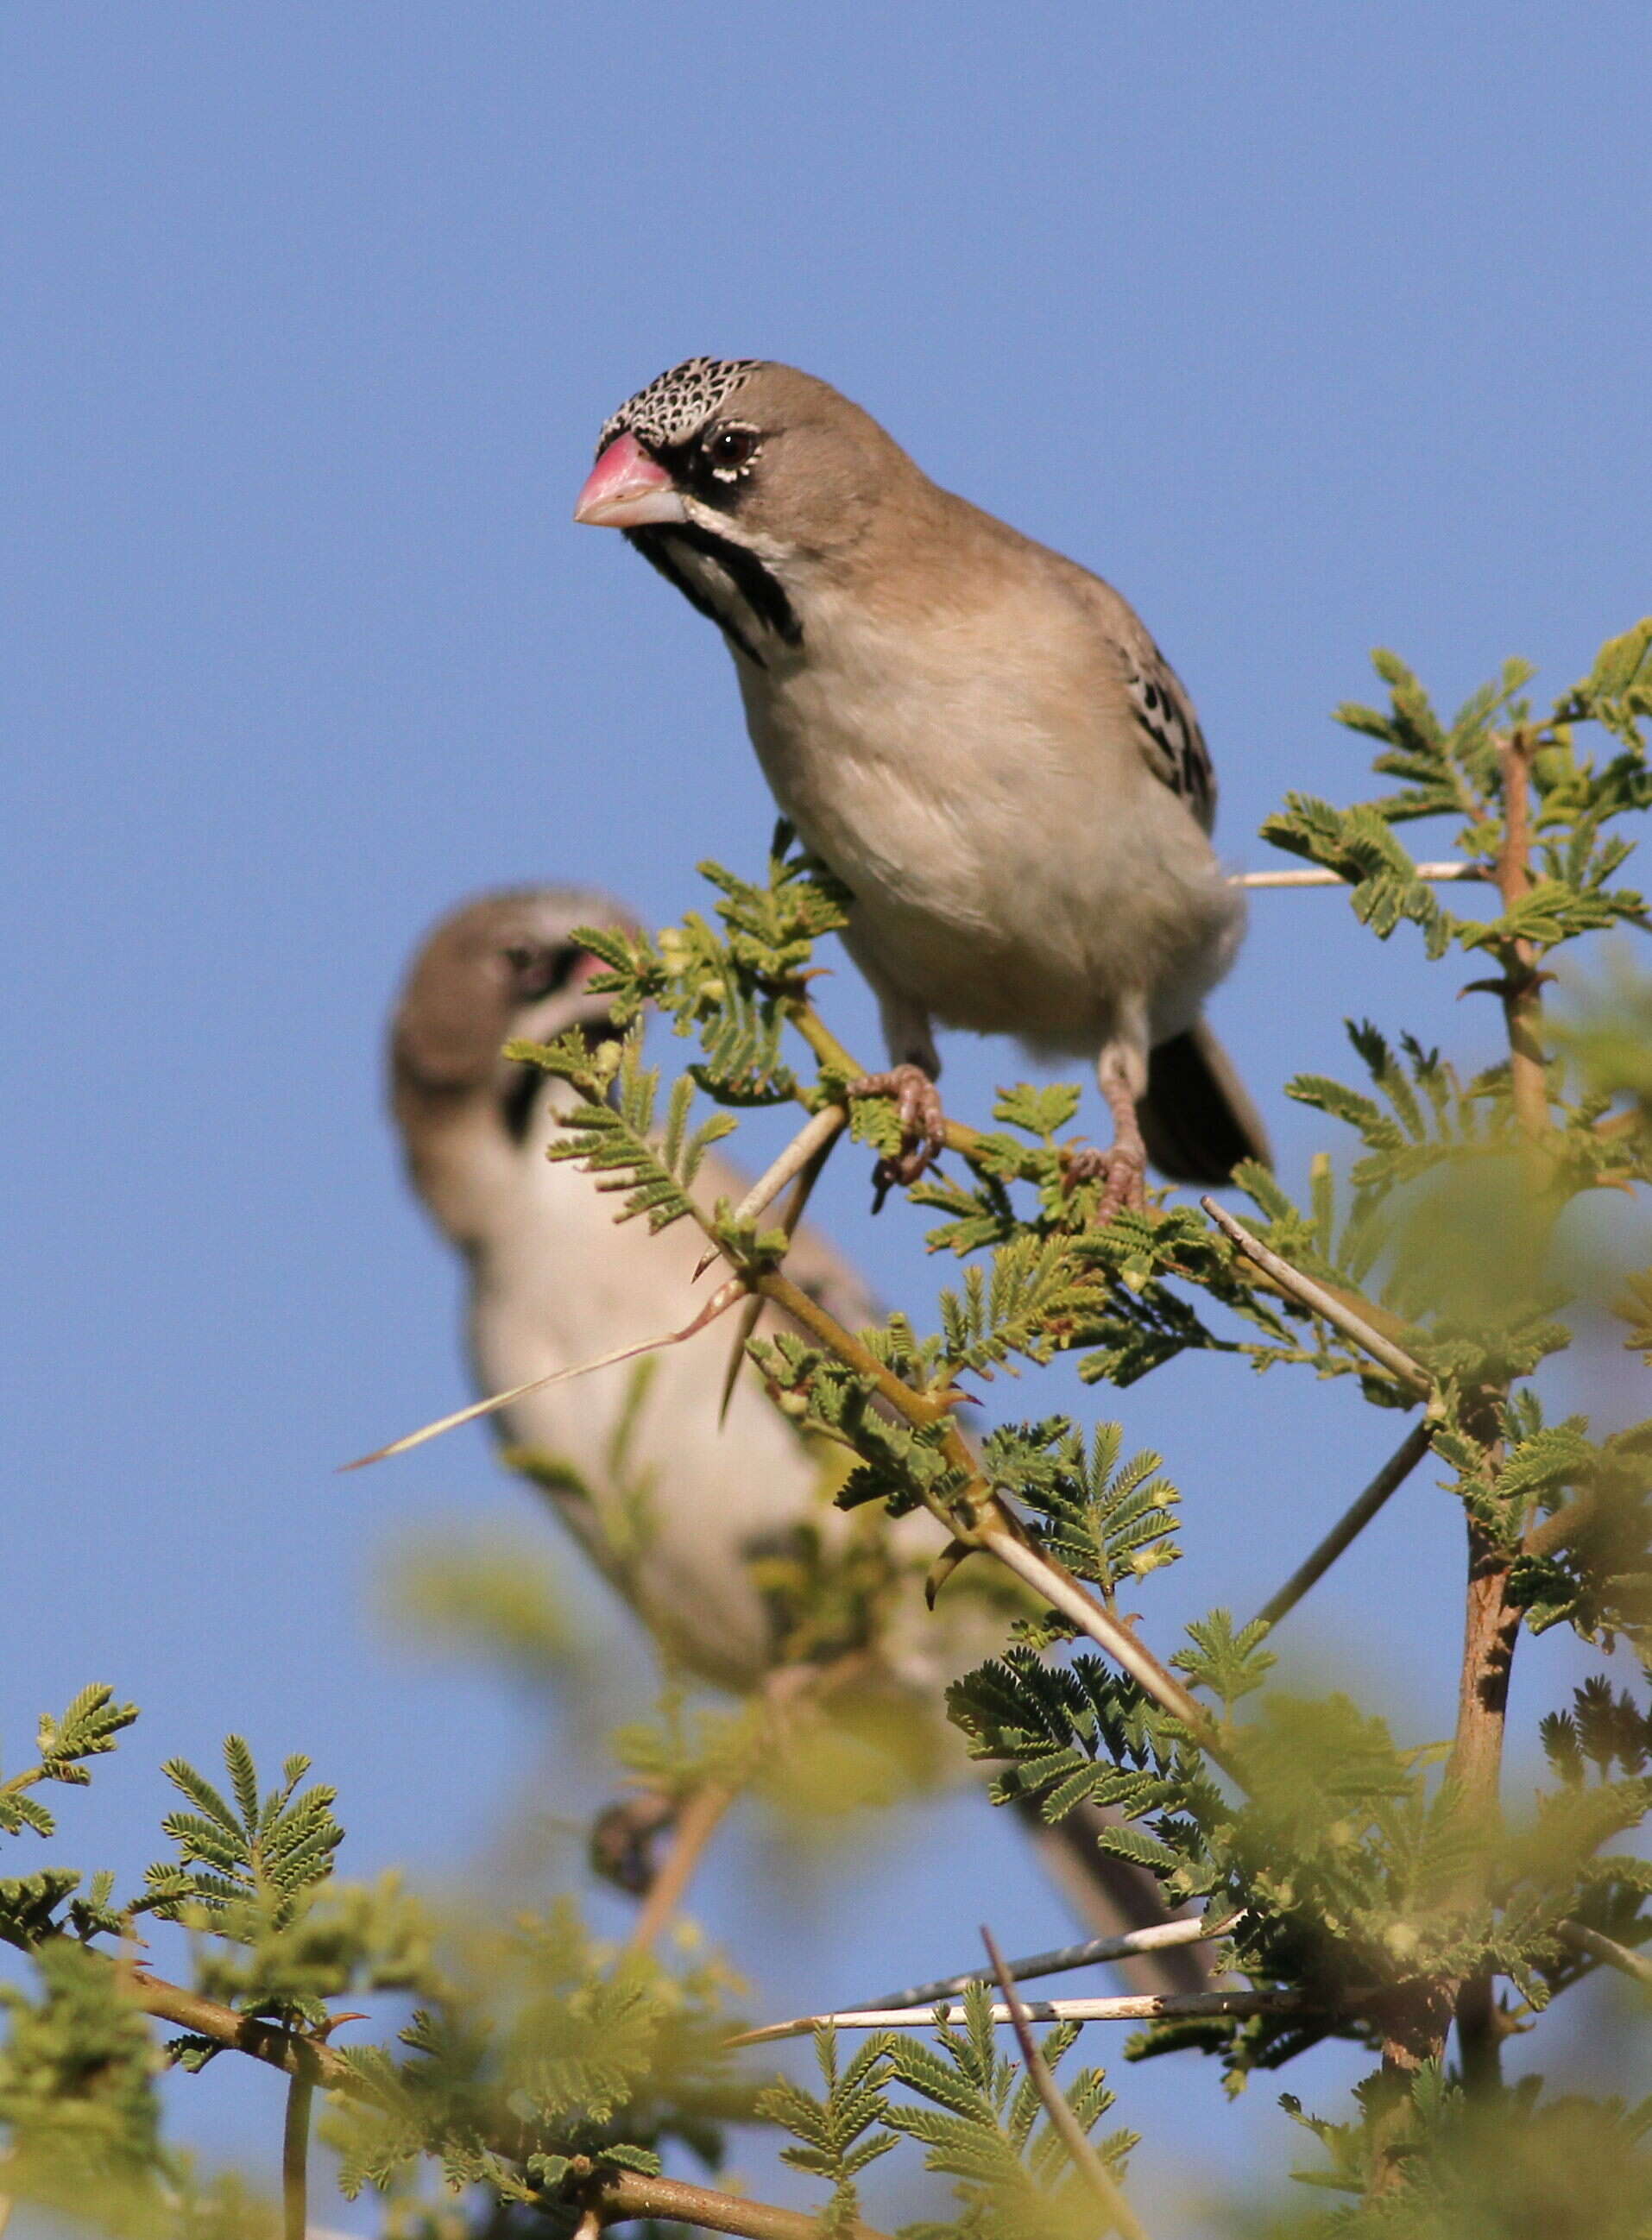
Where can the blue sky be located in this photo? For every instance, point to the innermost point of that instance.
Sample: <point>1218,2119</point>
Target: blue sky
<point>1313,329</point>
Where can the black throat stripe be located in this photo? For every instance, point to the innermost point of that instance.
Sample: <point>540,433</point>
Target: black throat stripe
<point>517,1105</point>
<point>762,592</point>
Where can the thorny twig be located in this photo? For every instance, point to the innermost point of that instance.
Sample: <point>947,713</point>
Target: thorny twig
<point>1319,1300</point>
<point>1348,1528</point>
<point>811,1139</point>
<point>1093,1953</point>
<point>1319,877</point>
<point>978,1518</point>
<point>1128,2007</point>
<point>720,1302</point>
<point>1491,1623</point>
<point>1085,2160</point>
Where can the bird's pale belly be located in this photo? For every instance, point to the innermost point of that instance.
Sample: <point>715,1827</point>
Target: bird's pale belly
<point>995,918</point>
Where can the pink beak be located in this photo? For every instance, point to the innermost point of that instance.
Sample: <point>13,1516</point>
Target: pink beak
<point>627,490</point>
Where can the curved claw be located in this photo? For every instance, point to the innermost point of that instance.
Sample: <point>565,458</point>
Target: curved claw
<point>1121,1170</point>
<point>917,1101</point>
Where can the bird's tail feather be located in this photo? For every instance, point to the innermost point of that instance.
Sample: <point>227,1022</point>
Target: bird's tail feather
<point>1196,1119</point>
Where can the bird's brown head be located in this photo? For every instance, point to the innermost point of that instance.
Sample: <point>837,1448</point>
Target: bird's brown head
<point>743,482</point>
<point>502,967</point>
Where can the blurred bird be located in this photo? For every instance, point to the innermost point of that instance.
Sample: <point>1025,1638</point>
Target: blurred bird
<point>977,736</point>
<point>685,1519</point>
<point>554,1281</point>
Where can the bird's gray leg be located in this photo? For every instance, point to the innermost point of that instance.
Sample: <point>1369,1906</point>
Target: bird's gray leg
<point>1121,1072</point>
<point>910,1080</point>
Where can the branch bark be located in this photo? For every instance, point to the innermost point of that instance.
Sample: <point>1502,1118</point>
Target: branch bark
<point>1491,1627</point>
<point>1550,1534</point>
<point>1491,1621</point>
<point>1606,1949</point>
<point>614,2196</point>
<point>620,2195</point>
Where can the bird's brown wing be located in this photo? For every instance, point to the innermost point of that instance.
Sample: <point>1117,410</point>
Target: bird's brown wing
<point>1172,741</point>
<point>1167,730</point>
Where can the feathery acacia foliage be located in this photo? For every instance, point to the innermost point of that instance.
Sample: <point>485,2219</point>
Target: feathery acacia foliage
<point>1375,1888</point>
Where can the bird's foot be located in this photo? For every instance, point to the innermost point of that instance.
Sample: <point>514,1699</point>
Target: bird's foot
<point>917,1103</point>
<point>1122,1171</point>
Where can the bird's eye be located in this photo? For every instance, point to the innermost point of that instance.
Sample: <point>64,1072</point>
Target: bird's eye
<point>732,447</point>
<point>537,971</point>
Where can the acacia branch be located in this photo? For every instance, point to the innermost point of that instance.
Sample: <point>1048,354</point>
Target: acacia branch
<point>295,2156</point>
<point>619,2196</point>
<point>1606,1949</point>
<point>922,1409</point>
<point>1550,1534</point>
<point>1491,1619</point>
<point>957,1134</point>
<point>810,1139</point>
<point>1009,1542</point>
<point>266,2041</point>
<point>805,1156</point>
<point>614,2196</point>
<point>969,1143</point>
<point>977,1517</point>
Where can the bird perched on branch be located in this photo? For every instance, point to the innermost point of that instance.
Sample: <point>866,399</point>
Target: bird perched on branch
<point>554,1281</point>
<point>978,737</point>
<point>691,1522</point>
